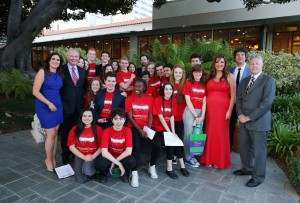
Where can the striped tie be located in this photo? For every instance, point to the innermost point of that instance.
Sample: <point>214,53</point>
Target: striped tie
<point>250,84</point>
<point>74,76</point>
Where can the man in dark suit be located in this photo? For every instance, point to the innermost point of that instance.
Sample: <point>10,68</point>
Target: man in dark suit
<point>254,101</point>
<point>240,72</point>
<point>144,60</point>
<point>107,100</point>
<point>72,96</point>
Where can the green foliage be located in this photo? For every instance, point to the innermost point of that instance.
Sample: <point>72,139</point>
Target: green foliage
<point>283,140</point>
<point>294,169</point>
<point>63,52</point>
<point>284,67</point>
<point>14,83</point>
<point>180,54</point>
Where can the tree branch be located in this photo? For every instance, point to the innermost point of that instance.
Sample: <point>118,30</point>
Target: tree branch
<point>13,22</point>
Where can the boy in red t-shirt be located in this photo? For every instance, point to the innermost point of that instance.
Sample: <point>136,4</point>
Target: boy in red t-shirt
<point>116,146</point>
<point>84,142</point>
<point>125,78</point>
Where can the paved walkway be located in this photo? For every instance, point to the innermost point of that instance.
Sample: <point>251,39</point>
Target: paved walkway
<point>23,178</point>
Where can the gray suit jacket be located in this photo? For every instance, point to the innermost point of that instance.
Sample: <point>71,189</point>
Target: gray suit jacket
<point>257,103</point>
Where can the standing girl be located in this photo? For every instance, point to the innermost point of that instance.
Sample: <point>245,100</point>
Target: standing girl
<point>48,105</point>
<point>164,110</point>
<point>84,142</point>
<point>194,91</point>
<point>90,97</point>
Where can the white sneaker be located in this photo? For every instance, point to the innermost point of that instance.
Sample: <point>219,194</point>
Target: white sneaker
<point>134,179</point>
<point>152,172</point>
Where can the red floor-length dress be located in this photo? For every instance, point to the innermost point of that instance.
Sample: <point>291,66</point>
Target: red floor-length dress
<point>217,147</point>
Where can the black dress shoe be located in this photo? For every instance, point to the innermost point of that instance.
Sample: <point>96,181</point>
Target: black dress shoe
<point>125,178</point>
<point>184,172</point>
<point>241,173</point>
<point>253,183</point>
<point>103,177</point>
<point>172,174</point>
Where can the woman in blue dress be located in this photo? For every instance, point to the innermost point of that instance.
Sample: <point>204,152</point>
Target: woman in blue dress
<point>48,105</point>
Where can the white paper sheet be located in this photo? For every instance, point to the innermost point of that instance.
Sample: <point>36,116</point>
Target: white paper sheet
<point>172,140</point>
<point>149,132</point>
<point>64,171</point>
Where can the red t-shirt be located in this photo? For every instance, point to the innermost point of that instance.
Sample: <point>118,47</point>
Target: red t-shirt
<point>168,112</point>
<point>180,107</point>
<point>124,77</point>
<point>196,92</point>
<point>86,143</point>
<point>92,72</point>
<point>87,104</point>
<point>107,105</point>
<point>154,86</point>
<point>140,108</point>
<point>116,142</point>
<point>164,80</point>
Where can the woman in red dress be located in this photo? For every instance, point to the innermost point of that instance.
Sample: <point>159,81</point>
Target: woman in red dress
<point>219,102</point>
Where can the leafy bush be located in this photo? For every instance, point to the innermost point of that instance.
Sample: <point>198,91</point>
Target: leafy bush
<point>283,140</point>
<point>14,83</point>
<point>284,67</point>
<point>63,52</point>
<point>294,170</point>
<point>180,54</point>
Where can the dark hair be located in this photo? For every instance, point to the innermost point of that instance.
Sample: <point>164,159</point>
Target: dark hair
<point>194,55</point>
<point>48,59</point>
<point>145,73</point>
<point>80,125</point>
<point>117,112</point>
<point>107,66</point>
<point>105,52</point>
<point>197,68</point>
<point>115,61</point>
<point>162,92</point>
<point>212,73</point>
<point>110,74</point>
<point>131,63</point>
<point>144,83</point>
<point>144,55</point>
<point>169,66</point>
<point>241,49</point>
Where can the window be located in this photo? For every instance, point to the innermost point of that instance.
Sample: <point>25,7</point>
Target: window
<point>282,41</point>
<point>296,42</point>
<point>252,36</point>
<point>236,37</point>
<point>221,34</point>
<point>107,45</point>
<point>116,49</point>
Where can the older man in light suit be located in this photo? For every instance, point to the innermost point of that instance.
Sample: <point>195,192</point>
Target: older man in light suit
<point>240,72</point>
<point>255,97</point>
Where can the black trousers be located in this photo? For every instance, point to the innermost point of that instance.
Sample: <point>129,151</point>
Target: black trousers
<point>155,147</point>
<point>233,120</point>
<point>69,121</point>
<point>103,164</point>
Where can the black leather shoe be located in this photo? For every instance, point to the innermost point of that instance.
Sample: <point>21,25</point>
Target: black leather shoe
<point>241,173</point>
<point>253,183</point>
<point>125,178</point>
<point>103,177</point>
<point>172,174</point>
<point>184,172</point>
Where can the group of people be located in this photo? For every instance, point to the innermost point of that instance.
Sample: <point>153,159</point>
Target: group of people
<point>102,110</point>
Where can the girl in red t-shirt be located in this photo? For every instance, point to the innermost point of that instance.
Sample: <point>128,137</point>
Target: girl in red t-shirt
<point>194,91</point>
<point>94,87</point>
<point>84,142</point>
<point>164,110</point>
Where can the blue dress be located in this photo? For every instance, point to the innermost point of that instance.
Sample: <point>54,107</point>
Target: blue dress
<point>50,90</point>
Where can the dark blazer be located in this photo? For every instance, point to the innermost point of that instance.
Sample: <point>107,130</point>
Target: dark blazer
<point>73,96</point>
<point>246,73</point>
<point>118,101</point>
<point>257,103</point>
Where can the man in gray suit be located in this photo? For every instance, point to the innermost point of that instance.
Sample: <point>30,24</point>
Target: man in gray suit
<point>240,72</point>
<point>255,97</point>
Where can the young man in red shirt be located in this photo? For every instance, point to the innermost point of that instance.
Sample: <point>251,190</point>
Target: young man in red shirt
<point>116,149</point>
<point>125,78</point>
